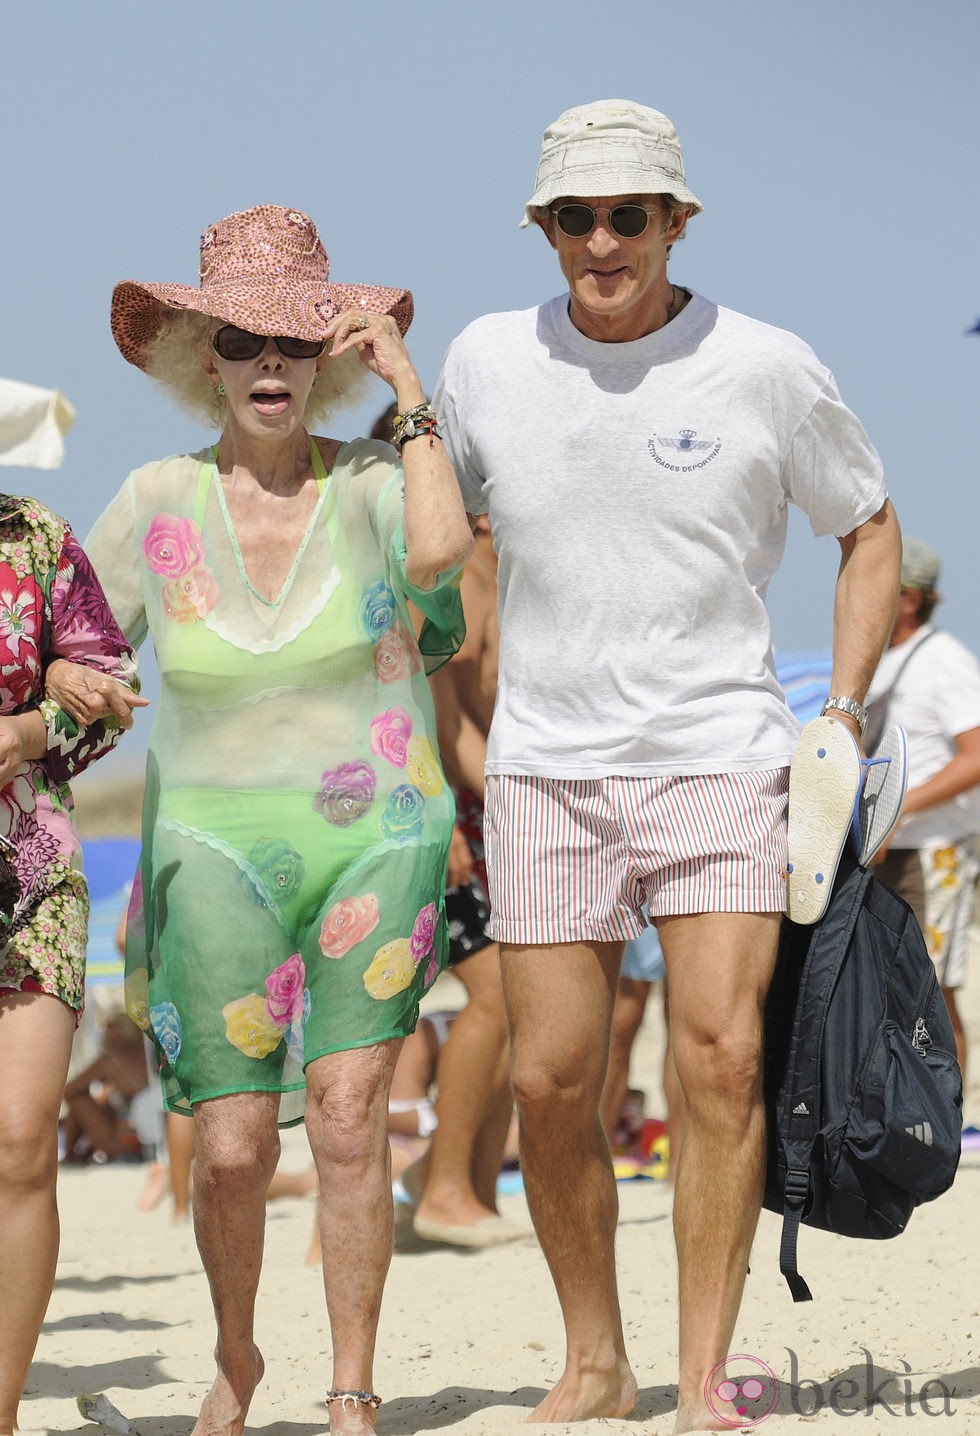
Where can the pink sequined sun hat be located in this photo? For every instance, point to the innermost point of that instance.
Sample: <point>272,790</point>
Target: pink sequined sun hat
<point>263,269</point>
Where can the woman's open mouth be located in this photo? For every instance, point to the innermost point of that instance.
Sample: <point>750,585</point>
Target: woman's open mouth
<point>270,402</point>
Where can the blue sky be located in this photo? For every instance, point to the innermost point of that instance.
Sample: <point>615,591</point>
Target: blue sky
<point>834,147</point>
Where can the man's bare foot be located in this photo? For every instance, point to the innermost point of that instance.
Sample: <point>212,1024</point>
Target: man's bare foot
<point>587,1395</point>
<point>226,1405</point>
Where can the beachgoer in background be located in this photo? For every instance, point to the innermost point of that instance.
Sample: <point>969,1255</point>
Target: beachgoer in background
<point>637,448</point>
<point>98,1126</point>
<point>50,604</point>
<point>929,684</point>
<point>454,1185</point>
<point>643,965</point>
<point>296,819</point>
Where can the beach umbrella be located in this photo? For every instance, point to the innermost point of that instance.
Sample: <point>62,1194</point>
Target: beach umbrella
<point>805,678</point>
<point>33,423</point>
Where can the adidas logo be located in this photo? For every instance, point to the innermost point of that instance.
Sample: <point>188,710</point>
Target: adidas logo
<point>801,1110</point>
<point>922,1132</point>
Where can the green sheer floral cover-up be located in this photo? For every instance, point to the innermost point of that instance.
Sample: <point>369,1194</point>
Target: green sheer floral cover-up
<point>296,818</point>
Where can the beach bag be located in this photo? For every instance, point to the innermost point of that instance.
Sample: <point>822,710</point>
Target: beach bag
<point>863,1091</point>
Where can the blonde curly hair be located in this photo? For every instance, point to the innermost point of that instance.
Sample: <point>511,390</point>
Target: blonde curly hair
<point>174,360</point>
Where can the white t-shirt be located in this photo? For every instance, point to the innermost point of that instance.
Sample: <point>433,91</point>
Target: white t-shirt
<point>937,697</point>
<point>638,498</point>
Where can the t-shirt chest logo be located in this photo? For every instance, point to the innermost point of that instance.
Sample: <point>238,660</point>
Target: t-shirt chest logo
<point>683,451</point>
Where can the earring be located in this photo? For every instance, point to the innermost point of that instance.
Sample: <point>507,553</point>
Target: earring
<point>220,390</point>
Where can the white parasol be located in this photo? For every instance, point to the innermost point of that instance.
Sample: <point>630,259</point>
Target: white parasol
<point>33,423</point>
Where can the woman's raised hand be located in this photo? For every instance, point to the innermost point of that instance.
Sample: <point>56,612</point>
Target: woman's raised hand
<point>380,348</point>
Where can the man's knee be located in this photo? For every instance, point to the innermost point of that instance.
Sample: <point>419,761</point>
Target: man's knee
<point>720,1067</point>
<point>541,1083</point>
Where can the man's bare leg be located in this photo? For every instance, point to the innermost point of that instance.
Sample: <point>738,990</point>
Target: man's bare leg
<point>719,966</point>
<point>559,1005</point>
<point>469,1066</point>
<point>347,1124</point>
<point>236,1151</point>
<point>35,1044</point>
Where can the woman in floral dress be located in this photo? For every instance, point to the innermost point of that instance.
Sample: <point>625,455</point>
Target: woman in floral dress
<point>50,605</point>
<point>296,819</point>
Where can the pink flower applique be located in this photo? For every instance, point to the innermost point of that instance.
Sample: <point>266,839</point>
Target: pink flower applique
<point>390,732</point>
<point>347,923</point>
<point>424,931</point>
<point>173,546</point>
<point>284,991</point>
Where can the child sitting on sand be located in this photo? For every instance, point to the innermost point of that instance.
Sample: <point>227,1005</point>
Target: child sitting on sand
<point>98,1126</point>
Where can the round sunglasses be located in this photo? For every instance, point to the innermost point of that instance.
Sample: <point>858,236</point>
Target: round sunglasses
<point>578,220</point>
<point>233,343</point>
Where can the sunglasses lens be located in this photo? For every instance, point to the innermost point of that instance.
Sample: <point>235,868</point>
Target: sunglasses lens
<point>629,220</point>
<point>232,343</point>
<point>575,220</point>
<point>301,348</point>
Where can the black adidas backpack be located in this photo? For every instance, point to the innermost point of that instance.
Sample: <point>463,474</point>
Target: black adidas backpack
<point>863,1091</point>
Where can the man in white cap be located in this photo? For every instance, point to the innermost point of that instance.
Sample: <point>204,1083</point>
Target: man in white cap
<point>929,683</point>
<point>637,448</point>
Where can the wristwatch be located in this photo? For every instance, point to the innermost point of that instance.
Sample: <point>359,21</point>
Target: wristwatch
<point>851,708</point>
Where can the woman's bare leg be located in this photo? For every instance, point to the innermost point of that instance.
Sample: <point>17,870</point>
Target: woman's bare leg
<point>347,1123</point>
<point>236,1151</point>
<point>35,1045</point>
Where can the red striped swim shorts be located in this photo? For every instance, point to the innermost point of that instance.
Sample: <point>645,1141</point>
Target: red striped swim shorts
<point>582,859</point>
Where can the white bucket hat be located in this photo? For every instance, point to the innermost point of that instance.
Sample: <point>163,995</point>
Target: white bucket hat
<point>609,147</point>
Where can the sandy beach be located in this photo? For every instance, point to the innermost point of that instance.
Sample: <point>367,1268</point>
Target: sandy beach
<point>470,1341</point>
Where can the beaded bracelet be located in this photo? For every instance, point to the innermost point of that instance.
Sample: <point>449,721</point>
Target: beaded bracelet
<point>364,1398</point>
<point>425,426</point>
<point>406,426</point>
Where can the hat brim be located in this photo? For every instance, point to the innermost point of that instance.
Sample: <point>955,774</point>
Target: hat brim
<point>593,181</point>
<point>138,310</point>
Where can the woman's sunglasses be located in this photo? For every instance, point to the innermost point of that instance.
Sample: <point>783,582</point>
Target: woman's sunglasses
<point>233,343</point>
<point>578,220</point>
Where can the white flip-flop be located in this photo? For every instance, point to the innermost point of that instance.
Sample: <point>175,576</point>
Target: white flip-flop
<point>824,783</point>
<point>883,791</point>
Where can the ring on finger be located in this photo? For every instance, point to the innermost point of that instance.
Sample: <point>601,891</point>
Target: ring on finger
<point>362,321</point>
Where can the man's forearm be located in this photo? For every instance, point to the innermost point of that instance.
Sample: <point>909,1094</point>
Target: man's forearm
<point>865,601</point>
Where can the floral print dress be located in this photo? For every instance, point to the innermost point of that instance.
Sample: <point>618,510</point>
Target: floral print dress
<point>296,817</point>
<point>51,606</point>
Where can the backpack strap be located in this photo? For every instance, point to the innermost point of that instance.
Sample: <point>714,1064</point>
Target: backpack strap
<point>795,1193</point>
